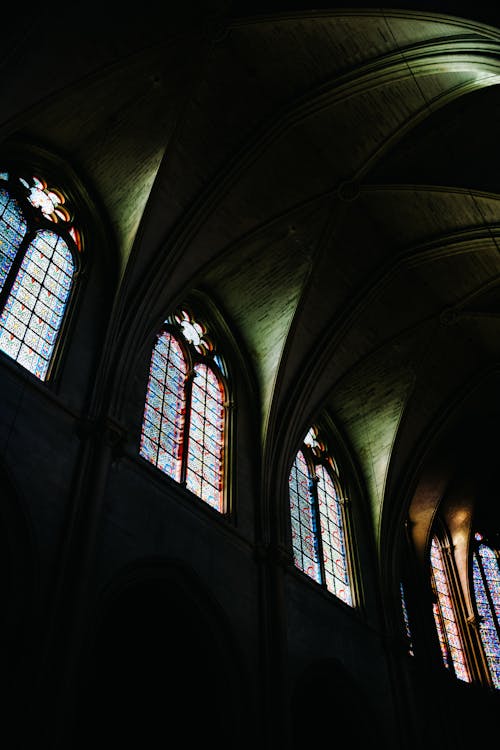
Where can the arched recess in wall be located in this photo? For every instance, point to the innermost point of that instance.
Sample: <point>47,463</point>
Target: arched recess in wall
<point>324,511</point>
<point>326,697</point>
<point>454,496</point>
<point>59,269</point>
<point>161,668</point>
<point>454,480</point>
<point>453,468</point>
<point>19,587</point>
<point>143,400</point>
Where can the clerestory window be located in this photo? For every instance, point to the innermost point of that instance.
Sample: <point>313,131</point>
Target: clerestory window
<point>486,582</point>
<point>39,255</point>
<point>318,517</point>
<point>462,633</point>
<point>184,428</point>
<point>446,613</point>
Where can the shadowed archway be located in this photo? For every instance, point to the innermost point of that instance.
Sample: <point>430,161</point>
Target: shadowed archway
<point>161,668</point>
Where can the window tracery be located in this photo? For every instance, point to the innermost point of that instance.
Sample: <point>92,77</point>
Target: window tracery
<point>184,422</point>
<point>318,517</point>
<point>39,245</point>
<point>469,639</point>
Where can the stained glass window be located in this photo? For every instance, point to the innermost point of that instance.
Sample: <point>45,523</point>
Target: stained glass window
<point>406,619</point>
<point>38,241</point>
<point>317,516</point>
<point>445,616</point>
<point>184,422</point>
<point>305,537</point>
<point>486,579</point>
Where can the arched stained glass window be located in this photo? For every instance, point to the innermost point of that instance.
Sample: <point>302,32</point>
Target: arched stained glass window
<point>317,515</point>
<point>445,615</point>
<point>184,422</point>
<point>486,580</point>
<point>38,249</point>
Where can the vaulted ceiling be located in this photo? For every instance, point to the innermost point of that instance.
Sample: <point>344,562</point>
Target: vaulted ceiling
<point>329,177</point>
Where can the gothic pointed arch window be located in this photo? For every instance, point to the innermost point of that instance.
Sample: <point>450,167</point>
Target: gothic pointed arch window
<point>486,583</point>
<point>446,610</point>
<point>40,247</point>
<point>318,517</point>
<point>466,604</point>
<point>184,427</point>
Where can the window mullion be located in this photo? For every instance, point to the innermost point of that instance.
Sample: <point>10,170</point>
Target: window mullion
<point>188,394</point>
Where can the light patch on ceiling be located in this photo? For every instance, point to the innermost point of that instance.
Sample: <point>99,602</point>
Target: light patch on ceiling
<point>260,286</point>
<point>476,69</point>
<point>130,208</point>
<point>371,418</point>
<point>486,78</point>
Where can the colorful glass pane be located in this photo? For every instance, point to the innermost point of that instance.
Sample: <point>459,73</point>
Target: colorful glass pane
<point>204,474</point>
<point>332,536</point>
<point>303,519</point>
<point>32,316</point>
<point>310,439</point>
<point>193,332</point>
<point>164,411</point>
<point>486,578</point>
<point>445,618</point>
<point>183,429</point>
<point>406,619</point>
<point>12,230</point>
